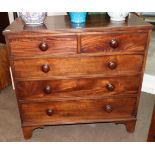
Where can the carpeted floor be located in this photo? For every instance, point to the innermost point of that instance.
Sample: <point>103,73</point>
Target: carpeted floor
<point>150,63</point>
<point>10,125</point>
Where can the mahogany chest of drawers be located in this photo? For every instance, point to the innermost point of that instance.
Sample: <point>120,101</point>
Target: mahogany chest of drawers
<point>68,75</point>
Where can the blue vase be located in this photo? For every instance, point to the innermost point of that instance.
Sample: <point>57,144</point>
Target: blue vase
<point>78,17</point>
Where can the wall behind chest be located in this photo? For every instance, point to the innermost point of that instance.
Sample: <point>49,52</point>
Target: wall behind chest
<point>3,24</point>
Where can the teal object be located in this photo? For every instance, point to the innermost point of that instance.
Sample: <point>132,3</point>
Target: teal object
<point>78,25</point>
<point>78,17</point>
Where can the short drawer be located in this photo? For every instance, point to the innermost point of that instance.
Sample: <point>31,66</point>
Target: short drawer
<point>77,66</point>
<point>88,87</point>
<point>116,42</point>
<point>78,111</point>
<point>43,45</point>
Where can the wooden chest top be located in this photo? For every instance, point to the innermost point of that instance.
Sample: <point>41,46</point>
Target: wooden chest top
<point>96,23</point>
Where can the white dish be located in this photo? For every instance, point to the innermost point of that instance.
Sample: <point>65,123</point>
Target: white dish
<point>118,16</point>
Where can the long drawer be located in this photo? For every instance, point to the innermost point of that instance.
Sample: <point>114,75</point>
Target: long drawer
<point>114,42</point>
<point>33,46</point>
<point>76,66</point>
<point>73,111</point>
<point>51,89</point>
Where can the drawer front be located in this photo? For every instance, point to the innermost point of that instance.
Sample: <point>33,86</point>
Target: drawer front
<point>108,65</point>
<point>78,110</point>
<point>87,87</point>
<point>43,45</point>
<point>114,42</point>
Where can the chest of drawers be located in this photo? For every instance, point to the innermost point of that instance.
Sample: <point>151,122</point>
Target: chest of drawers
<point>66,75</point>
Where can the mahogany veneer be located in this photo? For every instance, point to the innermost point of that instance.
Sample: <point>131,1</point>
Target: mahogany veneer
<point>78,66</point>
<point>112,42</point>
<point>83,110</point>
<point>65,75</point>
<point>49,89</point>
<point>5,79</point>
<point>53,44</point>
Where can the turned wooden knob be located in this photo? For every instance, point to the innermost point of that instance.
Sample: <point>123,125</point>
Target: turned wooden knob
<point>110,87</point>
<point>114,43</point>
<point>45,68</point>
<point>43,46</point>
<point>108,108</point>
<point>48,89</point>
<point>49,112</point>
<point>112,64</point>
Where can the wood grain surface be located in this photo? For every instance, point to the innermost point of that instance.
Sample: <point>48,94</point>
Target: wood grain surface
<point>4,67</point>
<point>78,66</point>
<point>80,87</point>
<point>30,46</point>
<point>72,111</point>
<point>102,43</point>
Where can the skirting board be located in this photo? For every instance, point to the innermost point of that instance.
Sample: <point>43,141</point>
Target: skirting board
<point>148,85</point>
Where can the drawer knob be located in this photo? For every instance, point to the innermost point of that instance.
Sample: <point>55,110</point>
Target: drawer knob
<point>110,87</point>
<point>49,112</point>
<point>108,108</point>
<point>112,64</point>
<point>48,90</point>
<point>43,46</point>
<point>45,68</point>
<point>114,43</point>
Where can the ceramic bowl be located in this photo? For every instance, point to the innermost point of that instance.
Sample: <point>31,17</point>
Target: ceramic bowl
<point>118,16</point>
<point>33,17</point>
